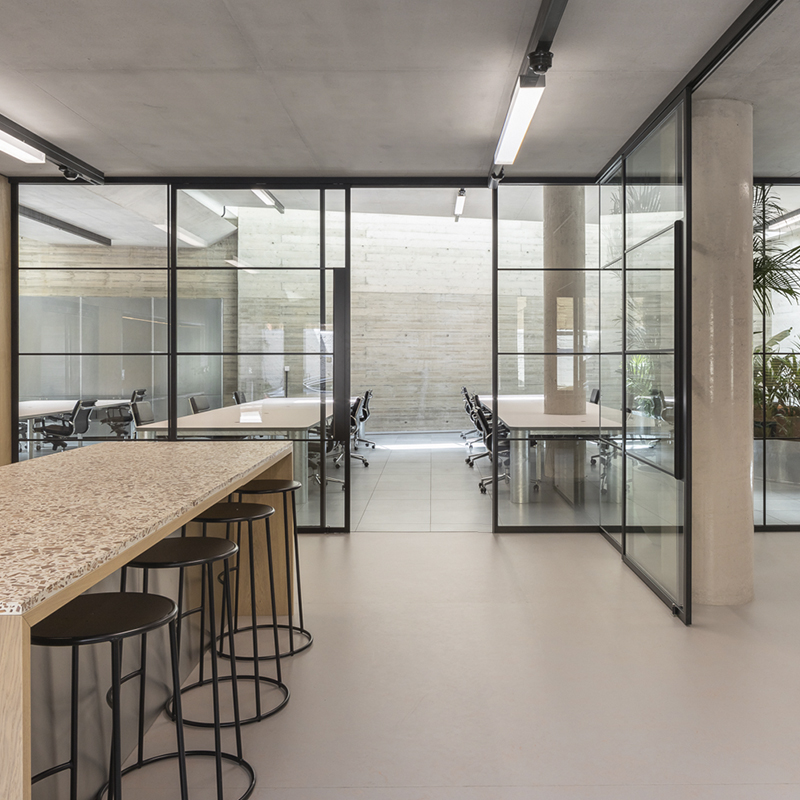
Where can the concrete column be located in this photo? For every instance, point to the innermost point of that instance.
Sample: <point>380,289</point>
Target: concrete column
<point>722,369</point>
<point>6,435</point>
<point>564,248</point>
<point>564,294</point>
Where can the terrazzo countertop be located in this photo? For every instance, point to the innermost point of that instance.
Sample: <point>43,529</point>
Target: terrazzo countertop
<point>65,515</point>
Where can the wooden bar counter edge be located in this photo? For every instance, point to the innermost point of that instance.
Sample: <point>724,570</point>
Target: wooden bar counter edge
<point>69,520</point>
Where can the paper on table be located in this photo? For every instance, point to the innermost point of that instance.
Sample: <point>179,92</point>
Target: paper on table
<point>250,415</point>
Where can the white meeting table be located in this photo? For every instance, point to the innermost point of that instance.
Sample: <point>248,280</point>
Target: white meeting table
<point>295,415</point>
<point>524,415</point>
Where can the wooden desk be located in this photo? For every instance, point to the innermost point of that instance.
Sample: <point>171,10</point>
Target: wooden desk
<point>71,519</point>
<point>292,415</point>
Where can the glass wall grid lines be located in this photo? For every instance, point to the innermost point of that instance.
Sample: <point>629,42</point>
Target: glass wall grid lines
<point>91,309</point>
<point>653,339</point>
<point>184,314</point>
<point>547,352</point>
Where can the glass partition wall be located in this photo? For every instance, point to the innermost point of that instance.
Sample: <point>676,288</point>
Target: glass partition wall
<point>590,357</point>
<point>259,277</point>
<point>776,350</point>
<point>93,311</point>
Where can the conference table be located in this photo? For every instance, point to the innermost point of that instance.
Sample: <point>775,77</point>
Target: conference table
<point>291,417</point>
<point>525,416</point>
<point>30,410</point>
<point>114,500</point>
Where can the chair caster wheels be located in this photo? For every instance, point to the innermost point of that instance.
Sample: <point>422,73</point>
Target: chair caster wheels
<point>483,489</point>
<point>337,466</point>
<point>535,487</point>
<point>366,463</point>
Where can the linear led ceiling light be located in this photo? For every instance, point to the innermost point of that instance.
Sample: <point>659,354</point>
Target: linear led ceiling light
<point>18,149</point>
<point>528,88</point>
<point>268,199</point>
<point>461,198</point>
<point>524,101</point>
<point>786,221</point>
<point>30,148</point>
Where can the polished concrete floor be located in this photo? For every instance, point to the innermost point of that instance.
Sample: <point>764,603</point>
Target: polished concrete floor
<point>472,666</point>
<point>420,482</point>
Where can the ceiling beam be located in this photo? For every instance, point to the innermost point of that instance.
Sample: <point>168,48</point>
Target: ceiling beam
<point>67,227</point>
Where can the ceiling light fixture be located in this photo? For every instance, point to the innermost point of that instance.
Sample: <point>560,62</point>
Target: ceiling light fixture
<point>461,198</point>
<point>528,92</point>
<point>185,236</point>
<point>786,221</point>
<point>20,150</point>
<point>268,199</point>
<point>234,262</point>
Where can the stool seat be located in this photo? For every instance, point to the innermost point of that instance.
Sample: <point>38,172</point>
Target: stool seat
<point>189,551</point>
<point>269,486</point>
<point>103,617</point>
<point>235,512</point>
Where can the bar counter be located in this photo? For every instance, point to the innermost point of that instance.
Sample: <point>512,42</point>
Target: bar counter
<point>69,520</point>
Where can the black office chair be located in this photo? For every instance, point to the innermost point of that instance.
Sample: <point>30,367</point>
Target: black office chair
<point>362,418</point>
<point>503,445</point>
<point>199,402</point>
<point>64,426</point>
<point>239,398</point>
<point>355,413</point>
<point>119,418</point>
<point>142,413</point>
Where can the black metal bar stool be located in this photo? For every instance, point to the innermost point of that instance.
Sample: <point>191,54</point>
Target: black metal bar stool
<point>285,488</point>
<point>110,617</point>
<point>243,515</point>
<point>182,553</point>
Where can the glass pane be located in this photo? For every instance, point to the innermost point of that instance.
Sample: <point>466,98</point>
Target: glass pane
<point>650,383</point>
<point>549,393</point>
<point>782,321</point>
<point>758,481</point>
<point>783,482</point>
<point>110,227</point>
<point>267,311</point>
<point>53,384</point>
<point>611,241</point>
<point>520,227</point>
<point>92,311</point>
<point>611,300</point>
<point>651,309</point>
<point>334,228</point>
<point>654,531</point>
<point>525,318</point>
<point>606,465</point>
<point>654,192</point>
<point>248,228</point>
<point>547,482</point>
<point>612,407</point>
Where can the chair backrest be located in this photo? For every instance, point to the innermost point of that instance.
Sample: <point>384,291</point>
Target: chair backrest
<point>81,415</point>
<point>365,406</point>
<point>239,398</point>
<point>142,413</point>
<point>355,410</point>
<point>199,402</point>
<point>594,396</point>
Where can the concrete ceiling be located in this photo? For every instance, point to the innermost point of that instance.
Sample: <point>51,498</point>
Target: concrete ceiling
<point>337,87</point>
<point>765,72</point>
